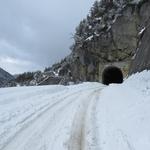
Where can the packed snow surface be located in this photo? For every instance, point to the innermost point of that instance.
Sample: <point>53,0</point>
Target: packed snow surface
<point>88,116</point>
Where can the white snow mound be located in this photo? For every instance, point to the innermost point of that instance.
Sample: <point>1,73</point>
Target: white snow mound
<point>123,114</point>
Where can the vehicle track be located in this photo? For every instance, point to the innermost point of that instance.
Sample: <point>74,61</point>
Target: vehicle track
<point>54,112</point>
<point>84,134</point>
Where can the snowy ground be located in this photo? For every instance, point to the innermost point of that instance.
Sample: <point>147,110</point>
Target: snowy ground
<point>124,115</point>
<point>88,116</point>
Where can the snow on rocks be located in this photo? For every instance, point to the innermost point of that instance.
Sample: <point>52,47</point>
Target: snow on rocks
<point>142,31</point>
<point>89,38</point>
<point>136,1</point>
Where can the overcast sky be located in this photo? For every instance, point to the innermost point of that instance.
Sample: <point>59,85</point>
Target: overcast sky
<point>37,33</point>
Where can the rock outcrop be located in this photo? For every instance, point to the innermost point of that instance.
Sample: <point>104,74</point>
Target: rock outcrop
<point>108,36</point>
<point>6,79</point>
<point>116,32</point>
<point>141,60</point>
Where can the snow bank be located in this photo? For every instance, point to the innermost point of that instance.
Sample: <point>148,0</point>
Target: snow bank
<point>123,114</point>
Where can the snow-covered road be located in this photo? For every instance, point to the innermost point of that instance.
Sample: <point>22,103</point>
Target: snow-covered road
<point>49,117</point>
<point>88,116</point>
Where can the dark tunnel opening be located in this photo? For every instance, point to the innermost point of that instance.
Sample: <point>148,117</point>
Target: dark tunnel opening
<point>112,74</point>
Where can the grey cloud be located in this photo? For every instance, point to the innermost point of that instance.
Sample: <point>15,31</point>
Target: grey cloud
<point>37,31</point>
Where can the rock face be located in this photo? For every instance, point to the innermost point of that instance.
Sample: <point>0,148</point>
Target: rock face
<point>141,60</point>
<point>51,80</point>
<point>114,33</point>
<point>6,79</point>
<point>108,36</point>
<point>37,78</point>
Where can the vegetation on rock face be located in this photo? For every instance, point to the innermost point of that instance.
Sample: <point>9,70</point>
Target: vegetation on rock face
<point>25,77</point>
<point>109,35</point>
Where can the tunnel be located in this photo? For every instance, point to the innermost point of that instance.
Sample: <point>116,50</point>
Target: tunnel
<point>112,74</point>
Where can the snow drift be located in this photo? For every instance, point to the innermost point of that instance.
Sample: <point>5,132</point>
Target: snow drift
<point>123,114</point>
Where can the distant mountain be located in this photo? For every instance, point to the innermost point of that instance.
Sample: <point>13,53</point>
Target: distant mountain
<point>6,79</point>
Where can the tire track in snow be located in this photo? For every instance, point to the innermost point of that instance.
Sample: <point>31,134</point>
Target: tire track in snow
<point>84,124</point>
<point>91,125</point>
<point>40,114</point>
<point>26,122</point>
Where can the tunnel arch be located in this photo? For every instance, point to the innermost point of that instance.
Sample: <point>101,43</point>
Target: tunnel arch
<point>112,74</point>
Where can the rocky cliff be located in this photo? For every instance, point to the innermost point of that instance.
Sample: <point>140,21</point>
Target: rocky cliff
<point>115,32</point>
<point>141,59</point>
<point>109,35</point>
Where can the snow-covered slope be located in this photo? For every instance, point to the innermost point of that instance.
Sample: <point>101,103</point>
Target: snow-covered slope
<point>123,114</point>
<point>88,116</point>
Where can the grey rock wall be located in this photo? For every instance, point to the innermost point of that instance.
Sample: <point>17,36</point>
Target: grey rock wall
<point>141,60</point>
<point>115,45</point>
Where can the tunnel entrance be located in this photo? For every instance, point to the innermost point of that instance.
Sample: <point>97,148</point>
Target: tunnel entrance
<point>112,74</point>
